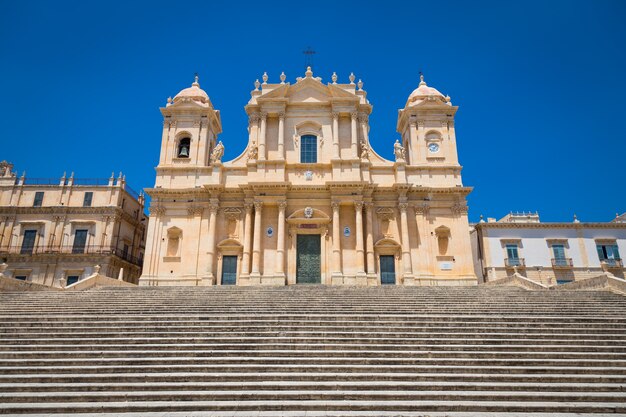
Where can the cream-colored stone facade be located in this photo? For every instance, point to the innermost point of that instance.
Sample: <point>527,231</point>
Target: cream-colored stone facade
<point>547,253</point>
<point>308,200</point>
<point>53,231</point>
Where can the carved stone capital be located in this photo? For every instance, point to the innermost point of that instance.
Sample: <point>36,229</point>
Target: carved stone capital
<point>248,207</point>
<point>358,205</point>
<point>369,206</point>
<point>459,208</point>
<point>282,205</point>
<point>403,207</point>
<point>281,115</point>
<point>420,124</point>
<point>263,115</point>
<point>363,118</point>
<point>335,115</point>
<point>421,208</point>
<point>157,210</point>
<point>214,207</point>
<point>258,205</point>
<point>253,118</point>
<point>334,205</point>
<point>193,210</point>
<point>354,115</point>
<point>196,123</point>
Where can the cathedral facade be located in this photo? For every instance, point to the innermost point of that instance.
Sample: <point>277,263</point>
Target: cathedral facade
<point>309,200</point>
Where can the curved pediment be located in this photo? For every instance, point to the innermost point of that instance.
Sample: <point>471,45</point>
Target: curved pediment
<point>387,243</point>
<point>308,215</point>
<point>229,243</point>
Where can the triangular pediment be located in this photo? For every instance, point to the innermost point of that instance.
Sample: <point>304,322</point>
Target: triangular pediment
<point>308,90</point>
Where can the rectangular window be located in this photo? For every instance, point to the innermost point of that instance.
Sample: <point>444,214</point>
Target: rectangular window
<point>87,199</point>
<point>308,149</point>
<point>559,255</point>
<point>72,279</point>
<point>125,251</point>
<point>608,253</point>
<point>38,199</point>
<point>28,243</point>
<point>513,254</point>
<point>80,240</point>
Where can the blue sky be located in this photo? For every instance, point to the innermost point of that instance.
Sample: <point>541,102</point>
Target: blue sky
<point>540,85</point>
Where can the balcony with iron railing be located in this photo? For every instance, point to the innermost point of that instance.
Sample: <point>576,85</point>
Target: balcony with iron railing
<point>613,263</point>
<point>71,250</point>
<point>562,263</point>
<point>514,262</point>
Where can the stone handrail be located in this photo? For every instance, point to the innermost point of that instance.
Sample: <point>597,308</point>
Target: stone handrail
<point>517,280</point>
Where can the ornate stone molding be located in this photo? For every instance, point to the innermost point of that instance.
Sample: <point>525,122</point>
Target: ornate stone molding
<point>403,206</point>
<point>335,115</point>
<point>421,208</point>
<point>214,207</point>
<point>354,115</point>
<point>258,205</point>
<point>232,213</point>
<point>363,118</point>
<point>459,208</point>
<point>282,204</point>
<point>358,205</point>
<point>385,213</point>
<point>193,210</point>
<point>157,210</point>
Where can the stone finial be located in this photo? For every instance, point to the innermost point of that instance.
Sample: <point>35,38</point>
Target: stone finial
<point>195,80</point>
<point>422,82</point>
<point>360,85</point>
<point>482,219</point>
<point>96,269</point>
<point>576,219</point>
<point>265,78</point>
<point>72,174</point>
<point>257,84</point>
<point>283,77</point>
<point>334,78</point>
<point>351,78</point>
<point>308,73</point>
<point>169,100</point>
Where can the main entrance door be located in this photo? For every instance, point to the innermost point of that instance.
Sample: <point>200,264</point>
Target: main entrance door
<point>309,265</point>
<point>387,270</point>
<point>229,270</point>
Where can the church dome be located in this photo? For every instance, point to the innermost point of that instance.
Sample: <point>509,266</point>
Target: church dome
<point>424,92</point>
<point>194,93</point>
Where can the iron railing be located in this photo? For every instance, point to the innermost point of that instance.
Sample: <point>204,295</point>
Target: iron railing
<point>562,263</point>
<point>72,250</point>
<point>511,262</point>
<point>613,263</point>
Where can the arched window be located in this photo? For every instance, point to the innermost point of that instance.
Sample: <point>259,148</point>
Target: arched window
<point>183,148</point>
<point>308,149</point>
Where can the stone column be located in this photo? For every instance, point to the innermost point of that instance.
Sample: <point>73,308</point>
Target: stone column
<point>280,240</point>
<point>363,119</point>
<point>358,208</point>
<point>247,240</point>
<point>213,208</point>
<point>354,138</point>
<point>281,135</point>
<point>336,240</point>
<point>336,154</point>
<point>369,239</point>
<point>261,155</point>
<point>256,245</point>
<point>406,249</point>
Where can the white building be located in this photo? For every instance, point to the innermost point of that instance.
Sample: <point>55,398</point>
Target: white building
<point>549,253</point>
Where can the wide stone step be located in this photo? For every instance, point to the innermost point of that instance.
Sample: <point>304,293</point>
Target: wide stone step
<point>26,350</point>
<point>458,375</point>
<point>299,406</point>
<point>383,355</point>
<point>285,385</point>
<point>567,368</point>
<point>313,395</point>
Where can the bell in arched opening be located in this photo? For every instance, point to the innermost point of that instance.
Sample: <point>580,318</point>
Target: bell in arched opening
<point>183,148</point>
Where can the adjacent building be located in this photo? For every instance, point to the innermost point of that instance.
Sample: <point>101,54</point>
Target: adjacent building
<point>549,253</point>
<point>54,231</point>
<point>309,200</point>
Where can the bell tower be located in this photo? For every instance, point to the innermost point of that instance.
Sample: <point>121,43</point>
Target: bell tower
<point>190,129</point>
<point>427,127</point>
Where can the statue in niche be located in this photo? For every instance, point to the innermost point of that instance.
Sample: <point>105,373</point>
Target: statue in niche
<point>398,151</point>
<point>253,152</point>
<point>218,152</point>
<point>365,151</point>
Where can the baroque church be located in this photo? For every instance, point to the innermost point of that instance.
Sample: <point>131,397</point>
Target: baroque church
<point>309,200</point>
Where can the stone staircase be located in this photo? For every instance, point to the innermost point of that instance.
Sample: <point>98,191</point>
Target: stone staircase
<point>314,351</point>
